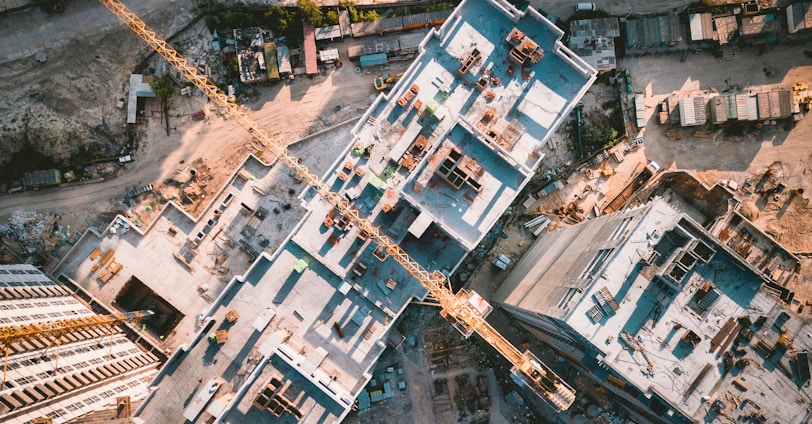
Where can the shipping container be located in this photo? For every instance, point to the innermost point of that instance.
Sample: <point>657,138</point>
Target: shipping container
<point>373,60</point>
<point>271,61</point>
<point>311,65</point>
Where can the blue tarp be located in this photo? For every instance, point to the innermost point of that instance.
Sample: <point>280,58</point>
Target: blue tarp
<point>363,400</point>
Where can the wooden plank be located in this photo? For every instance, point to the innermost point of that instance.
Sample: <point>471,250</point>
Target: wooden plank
<point>730,336</point>
<point>717,339</point>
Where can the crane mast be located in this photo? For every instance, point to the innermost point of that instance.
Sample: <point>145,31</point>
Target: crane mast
<point>457,308</point>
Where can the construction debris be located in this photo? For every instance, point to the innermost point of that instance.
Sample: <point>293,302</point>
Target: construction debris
<point>35,231</point>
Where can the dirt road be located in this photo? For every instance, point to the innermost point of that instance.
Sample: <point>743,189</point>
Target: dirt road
<point>564,9</point>
<point>288,110</point>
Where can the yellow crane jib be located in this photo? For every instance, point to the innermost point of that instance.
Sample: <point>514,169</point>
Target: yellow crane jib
<point>466,316</point>
<point>13,334</point>
<point>54,330</point>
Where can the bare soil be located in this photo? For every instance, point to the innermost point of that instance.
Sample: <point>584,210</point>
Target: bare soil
<point>70,100</point>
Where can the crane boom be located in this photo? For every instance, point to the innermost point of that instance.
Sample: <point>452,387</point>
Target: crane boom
<point>462,313</point>
<point>19,333</point>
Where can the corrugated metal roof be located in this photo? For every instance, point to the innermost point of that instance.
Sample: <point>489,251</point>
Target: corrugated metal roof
<point>699,109</point>
<point>732,113</point>
<point>284,59</point>
<point>420,19</point>
<point>42,178</point>
<point>603,27</point>
<point>639,103</point>
<point>138,88</point>
<point>311,66</point>
<point>658,30</point>
<point>785,101</point>
<point>763,106</point>
<point>692,111</point>
<point>377,27</point>
<point>775,104</point>
<point>328,33</point>
<point>687,116</point>
<point>747,107</point>
<point>799,16</point>
<point>371,47</point>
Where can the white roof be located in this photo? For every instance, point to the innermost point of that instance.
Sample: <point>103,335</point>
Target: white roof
<point>420,224</point>
<point>695,20</point>
<point>747,107</point>
<point>687,114</point>
<point>328,55</point>
<point>405,141</point>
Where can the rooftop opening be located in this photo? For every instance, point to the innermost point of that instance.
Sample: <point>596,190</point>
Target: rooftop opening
<point>135,295</point>
<point>701,250</point>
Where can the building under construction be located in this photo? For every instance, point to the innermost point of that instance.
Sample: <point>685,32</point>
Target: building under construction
<point>431,166</point>
<point>66,376</point>
<point>682,327</point>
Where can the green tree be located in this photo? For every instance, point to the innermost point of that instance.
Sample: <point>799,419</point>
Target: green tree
<point>370,15</point>
<point>212,22</point>
<point>230,19</point>
<point>353,14</point>
<point>279,17</point>
<point>440,6</point>
<point>163,86</point>
<point>311,12</point>
<point>331,18</point>
<point>597,136</point>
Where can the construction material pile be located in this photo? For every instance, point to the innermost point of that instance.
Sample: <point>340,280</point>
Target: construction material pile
<point>29,228</point>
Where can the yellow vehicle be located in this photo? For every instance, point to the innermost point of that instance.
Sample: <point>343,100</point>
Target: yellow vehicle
<point>383,81</point>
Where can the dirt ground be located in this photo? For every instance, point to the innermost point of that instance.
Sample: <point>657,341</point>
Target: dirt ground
<point>56,112</point>
<point>441,372</point>
<point>69,100</point>
<point>214,146</point>
<point>785,148</point>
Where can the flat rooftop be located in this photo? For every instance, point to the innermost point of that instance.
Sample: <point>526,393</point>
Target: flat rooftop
<point>314,405</point>
<point>290,306</point>
<point>687,322</point>
<point>209,251</point>
<point>465,88</point>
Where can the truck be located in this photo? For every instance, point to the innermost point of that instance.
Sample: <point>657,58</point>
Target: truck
<point>383,81</point>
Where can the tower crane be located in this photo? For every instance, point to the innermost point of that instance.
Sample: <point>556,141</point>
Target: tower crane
<point>464,313</point>
<point>54,330</point>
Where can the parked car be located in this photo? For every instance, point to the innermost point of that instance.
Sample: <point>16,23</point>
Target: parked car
<point>585,7</point>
